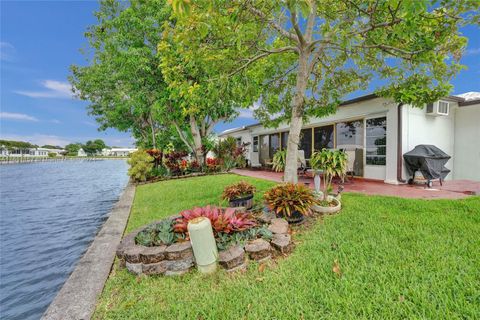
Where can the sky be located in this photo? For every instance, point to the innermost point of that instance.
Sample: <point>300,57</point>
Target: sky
<point>39,40</point>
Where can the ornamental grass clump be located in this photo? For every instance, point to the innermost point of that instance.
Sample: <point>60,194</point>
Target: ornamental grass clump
<point>288,199</point>
<point>238,190</point>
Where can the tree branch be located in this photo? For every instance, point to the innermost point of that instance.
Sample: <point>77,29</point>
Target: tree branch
<point>296,27</point>
<point>311,21</point>
<point>182,136</point>
<point>262,55</point>
<point>274,24</point>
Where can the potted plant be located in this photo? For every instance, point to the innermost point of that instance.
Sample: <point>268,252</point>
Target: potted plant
<point>290,201</point>
<point>239,194</point>
<point>332,163</point>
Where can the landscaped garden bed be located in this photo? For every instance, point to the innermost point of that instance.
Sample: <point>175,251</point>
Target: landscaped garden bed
<point>382,257</point>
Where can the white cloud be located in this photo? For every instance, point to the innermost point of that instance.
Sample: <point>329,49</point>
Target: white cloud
<point>38,139</point>
<point>89,123</point>
<point>472,52</point>
<point>54,89</point>
<point>55,121</point>
<point>248,113</point>
<point>6,51</point>
<point>16,116</point>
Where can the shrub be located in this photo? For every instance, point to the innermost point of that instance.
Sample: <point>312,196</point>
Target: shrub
<point>238,190</point>
<point>223,220</point>
<point>284,199</point>
<point>141,165</point>
<point>52,154</point>
<point>213,164</point>
<point>157,156</point>
<point>279,160</point>
<point>332,163</point>
<point>173,161</point>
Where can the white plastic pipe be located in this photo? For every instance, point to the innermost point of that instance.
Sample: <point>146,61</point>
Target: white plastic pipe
<point>203,244</point>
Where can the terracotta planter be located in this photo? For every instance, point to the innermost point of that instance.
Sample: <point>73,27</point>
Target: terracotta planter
<point>328,210</point>
<point>246,202</point>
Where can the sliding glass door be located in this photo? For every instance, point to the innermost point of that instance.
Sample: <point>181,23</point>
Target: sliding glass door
<point>264,154</point>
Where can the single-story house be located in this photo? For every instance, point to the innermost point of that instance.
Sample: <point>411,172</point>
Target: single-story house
<point>377,132</point>
<point>28,152</point>
<point>117,152</point>
<point>81,153</point>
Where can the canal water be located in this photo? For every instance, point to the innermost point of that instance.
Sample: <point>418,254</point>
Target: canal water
<point>50,213</point>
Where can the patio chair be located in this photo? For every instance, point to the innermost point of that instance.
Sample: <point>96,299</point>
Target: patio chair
<point>301,162</point>
<point>350,162</point>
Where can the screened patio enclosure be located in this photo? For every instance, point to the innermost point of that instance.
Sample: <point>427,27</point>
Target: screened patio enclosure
<point>364,140</point>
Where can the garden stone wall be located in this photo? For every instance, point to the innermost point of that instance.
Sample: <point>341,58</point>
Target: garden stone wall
<point>178,258</point>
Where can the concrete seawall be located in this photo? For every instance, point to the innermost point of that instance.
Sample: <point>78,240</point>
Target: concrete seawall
<point>78,296</point>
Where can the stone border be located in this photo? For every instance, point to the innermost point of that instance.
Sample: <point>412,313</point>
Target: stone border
<point>178,258</point>
<point>78,297</point>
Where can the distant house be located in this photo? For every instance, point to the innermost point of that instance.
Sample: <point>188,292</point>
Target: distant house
<point>117,152</point>
<point>376,132</point>
<point>81,153</point>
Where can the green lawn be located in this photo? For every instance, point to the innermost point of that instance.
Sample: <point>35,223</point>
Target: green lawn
<point>399,259</point>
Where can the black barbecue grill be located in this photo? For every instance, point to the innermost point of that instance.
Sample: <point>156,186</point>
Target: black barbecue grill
<point>429,160</point>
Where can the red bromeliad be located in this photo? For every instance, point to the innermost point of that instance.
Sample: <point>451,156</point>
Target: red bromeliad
<point>223,220</point>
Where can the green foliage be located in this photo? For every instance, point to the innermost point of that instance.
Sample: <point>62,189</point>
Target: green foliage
<point>332,164</point>
<point>286,198</point>
<point>279,160</point>
<point>226,240</point>
<point>72,148</point>
<point>94,147</point>
<point>52,154</point>
<point>10,144</point>
<point>141,165</point>
<point>159,234</point>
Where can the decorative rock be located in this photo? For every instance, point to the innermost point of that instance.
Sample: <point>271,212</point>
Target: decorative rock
<point>178,267</point>
<point>231,258</point>
<point>282,242</point>
<point>132,254</point>
<point>258,250</point>
<point>266,217</point>
<point>153,254</point>
<point>179,250</point>
<point>155,268</point>
<point>135,268</point>
<point>278,226</point>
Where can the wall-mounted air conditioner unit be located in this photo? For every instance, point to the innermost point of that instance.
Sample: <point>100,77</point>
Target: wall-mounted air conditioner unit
<point>439,108</point>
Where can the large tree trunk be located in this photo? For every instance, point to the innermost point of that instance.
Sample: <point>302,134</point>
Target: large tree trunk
<point>296,122</point>
<point>197,140</point>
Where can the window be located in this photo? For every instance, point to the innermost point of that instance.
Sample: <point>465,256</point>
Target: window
<point>238,141</point>
<point>255,144</point>
<point>323,137</point>
<point>376,135</point>
<point>442,107</point>
<point>350,135</point>
<point>284,140</point>
<point>274,144</point>
<point>306,142</point>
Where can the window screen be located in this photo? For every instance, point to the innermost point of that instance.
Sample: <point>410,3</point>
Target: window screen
<point>376,135</point>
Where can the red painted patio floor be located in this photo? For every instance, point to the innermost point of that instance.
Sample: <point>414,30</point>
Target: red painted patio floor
<point>453,189</point>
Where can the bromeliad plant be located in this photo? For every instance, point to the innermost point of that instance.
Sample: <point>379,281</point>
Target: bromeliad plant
<point>238,190</point>
<point>288,199</point>
<point>156,235</point>
<point>332,163</point>
<point>227,220</point>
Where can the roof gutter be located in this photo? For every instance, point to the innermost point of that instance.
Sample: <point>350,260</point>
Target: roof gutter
<point>399,143</point>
